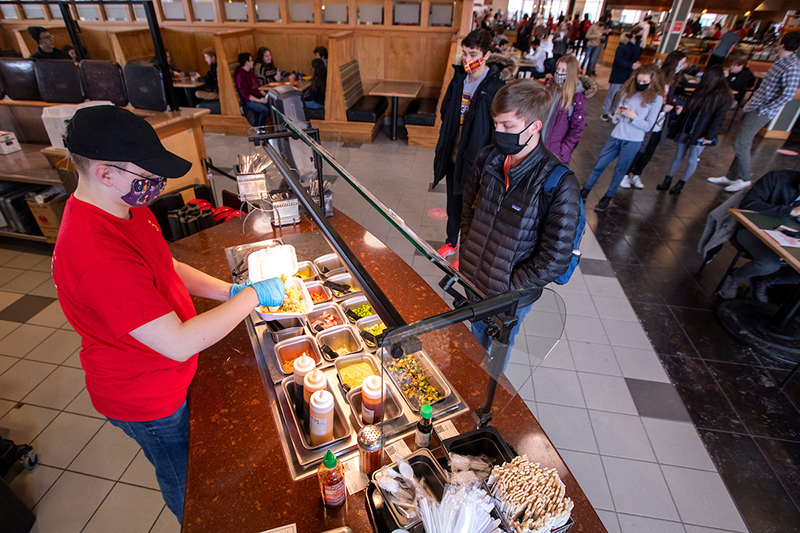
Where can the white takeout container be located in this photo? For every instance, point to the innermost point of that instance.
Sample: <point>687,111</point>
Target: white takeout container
<point>268,313</point>
<point>272,262</point>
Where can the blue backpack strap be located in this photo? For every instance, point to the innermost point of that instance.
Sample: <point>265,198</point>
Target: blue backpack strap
<point>553,180</point>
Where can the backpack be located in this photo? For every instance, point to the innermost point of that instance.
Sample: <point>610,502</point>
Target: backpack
<point>549,190</point>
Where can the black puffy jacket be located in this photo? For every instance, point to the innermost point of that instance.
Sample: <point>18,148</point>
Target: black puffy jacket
<point>476,131</point>
<point>510,240</point>
<point>775,194</point>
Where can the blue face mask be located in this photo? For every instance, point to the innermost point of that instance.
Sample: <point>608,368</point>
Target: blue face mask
<point>678,69</point>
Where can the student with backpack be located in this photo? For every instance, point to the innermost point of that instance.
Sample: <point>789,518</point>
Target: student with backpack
<point>522,211</point>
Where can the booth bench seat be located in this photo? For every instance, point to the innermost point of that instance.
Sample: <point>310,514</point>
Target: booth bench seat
<point>420,121</point>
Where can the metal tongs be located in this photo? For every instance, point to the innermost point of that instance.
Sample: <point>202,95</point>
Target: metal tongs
<point>338,287</point>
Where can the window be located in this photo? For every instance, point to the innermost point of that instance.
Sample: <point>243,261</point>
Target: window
<point>441,15</point>
<point>204,11</point>
<point>87,12</point>
<point>301,12</point>
<point>369,13</point>
<point>116,13</point>
<point>8,12</point>
<point>406,13</point>
<point>593,9</point>
<point>173,10</point>
<point>334,13</point>
<point>32,11</point>
<point>630,16</point>
<point>268,12</point>
<point>235,11</point>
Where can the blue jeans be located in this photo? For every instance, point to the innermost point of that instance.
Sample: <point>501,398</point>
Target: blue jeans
<point>626,150</point>
<point>262,110</point>
<point>311,104</point>
<point>165,443</point>
<point>587,58</point>
<point>694,153</point>
<point>479,330</point>
<point>613,88</point>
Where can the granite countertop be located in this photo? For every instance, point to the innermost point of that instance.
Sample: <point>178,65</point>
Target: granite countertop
<point>237,476</point>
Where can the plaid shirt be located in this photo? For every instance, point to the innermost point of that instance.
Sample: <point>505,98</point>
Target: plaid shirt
<point>777,88</point>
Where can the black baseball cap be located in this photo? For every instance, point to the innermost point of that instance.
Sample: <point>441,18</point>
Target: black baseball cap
<point>111,133</point>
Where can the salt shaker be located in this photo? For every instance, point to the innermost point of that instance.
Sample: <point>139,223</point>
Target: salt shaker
<point>370,449</point>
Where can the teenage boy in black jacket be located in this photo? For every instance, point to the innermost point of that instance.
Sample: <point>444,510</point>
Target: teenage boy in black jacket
<point>512,236</point>
<point>776,194</point>
<point>740,79</point>
<point>466,123</point>
<point>626,60</point>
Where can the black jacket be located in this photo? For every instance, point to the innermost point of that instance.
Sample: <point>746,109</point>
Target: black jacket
<point>57,53</point>
<point>741,82</point>
<point>478,125</point>
<point>628,53</point>
<point>774,194</point>
<point>210,79</point>
<point>703,123</point>
<point>510,240</point>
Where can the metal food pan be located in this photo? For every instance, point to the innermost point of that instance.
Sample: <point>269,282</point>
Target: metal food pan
<point>345,279</point>
<point>307,271</point>
<point>341,337</point>
<point>431,372</point>
<point>288,333</point>
<point>329,265</point>
<point>484,441</point>
<point>391,405</point>
<point>352,303</point>
<point>316,287</point>
<point>357,358</point>
<point>320,309</point>
<point>293,348</point>
<point>425,466</point>
<point>365,323</point>
<point>341,427</point>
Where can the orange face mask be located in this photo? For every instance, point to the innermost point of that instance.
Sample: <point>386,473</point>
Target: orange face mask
<point>472,66</point>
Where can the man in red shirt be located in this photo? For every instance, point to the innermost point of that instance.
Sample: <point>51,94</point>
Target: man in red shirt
<point>129,300</point>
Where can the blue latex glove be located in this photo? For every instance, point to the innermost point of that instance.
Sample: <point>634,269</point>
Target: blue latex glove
<point>236,288</point>
<point>270,292</point>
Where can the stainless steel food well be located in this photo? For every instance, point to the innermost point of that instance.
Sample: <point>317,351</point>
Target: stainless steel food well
<point>341,338</point>
<point>291,349</point>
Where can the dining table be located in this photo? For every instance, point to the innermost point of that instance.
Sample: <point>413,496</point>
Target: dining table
<point>396,90</point>
<point>773,332</point>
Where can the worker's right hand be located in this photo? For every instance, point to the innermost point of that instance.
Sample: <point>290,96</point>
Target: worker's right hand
<point>796,212</point>
<point>270,292</point>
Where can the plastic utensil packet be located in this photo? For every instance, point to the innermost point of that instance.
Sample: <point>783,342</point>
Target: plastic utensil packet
<point>469,469</point>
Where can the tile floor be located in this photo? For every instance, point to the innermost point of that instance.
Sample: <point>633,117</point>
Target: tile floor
<point>602,395</point>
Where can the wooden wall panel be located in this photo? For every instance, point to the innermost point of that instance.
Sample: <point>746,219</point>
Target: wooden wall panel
<point>183,49</point>
<point>97,43</point>
<point>371,56</point>
<point>299,52</point>
<point>402,56</point>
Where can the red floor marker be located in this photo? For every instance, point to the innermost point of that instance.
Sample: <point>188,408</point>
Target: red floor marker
<point>784,151</point>
<point>438,213</point>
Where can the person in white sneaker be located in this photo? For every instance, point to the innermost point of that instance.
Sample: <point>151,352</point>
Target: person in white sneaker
<point>671,69</point>
<point>776,90</point>
<point>776,194</point>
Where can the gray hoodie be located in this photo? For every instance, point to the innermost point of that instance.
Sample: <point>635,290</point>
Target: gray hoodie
<point>646,115</point>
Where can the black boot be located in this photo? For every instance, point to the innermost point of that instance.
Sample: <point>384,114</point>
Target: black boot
<point>664,185</point>
<point>585,193</point>
<point>677,188</point>
<point>602,205</point>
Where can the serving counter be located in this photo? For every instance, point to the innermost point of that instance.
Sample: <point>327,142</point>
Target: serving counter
<point>238,478</point>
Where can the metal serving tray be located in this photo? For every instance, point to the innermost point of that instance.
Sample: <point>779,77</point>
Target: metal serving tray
<point>307,271</point>
<point>356,358</point>
<point>353,302</point>
<point>341,427</point>
<point>346,279</point>
<point>295,347</point>
<point>367,322</point>
<point>329,265</point>
<point>316,287</point>
<point>433,375</point>
<point>425,466</point>
<point>318,311</point>
<point>339,337</point>
<point>392,408</point>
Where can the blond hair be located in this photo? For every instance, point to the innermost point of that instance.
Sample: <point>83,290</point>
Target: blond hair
<point>567,89</point>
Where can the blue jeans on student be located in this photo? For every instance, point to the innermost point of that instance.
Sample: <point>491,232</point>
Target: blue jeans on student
<point>262,110</point>
<point>587,58</point>
<point>479,330</point>
<point>626,150</point>
<point>311,104</point>
<point>165,443</point>
<point>694,153</point>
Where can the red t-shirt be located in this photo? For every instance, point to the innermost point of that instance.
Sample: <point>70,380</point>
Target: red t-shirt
<point>112,276</point>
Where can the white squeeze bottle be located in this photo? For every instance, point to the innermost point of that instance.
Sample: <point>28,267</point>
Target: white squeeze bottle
<point>312,382</point>
<point>302,366</point>
<point>321,417</point>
